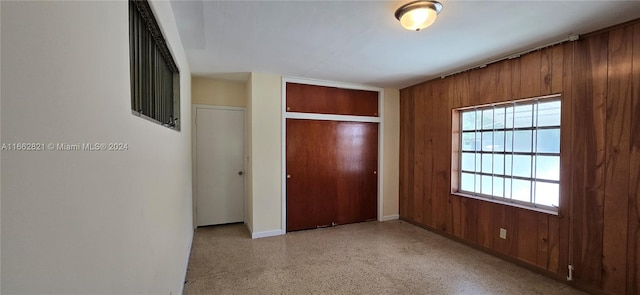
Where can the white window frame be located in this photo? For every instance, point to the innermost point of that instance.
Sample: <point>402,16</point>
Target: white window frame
<point>458,148</point>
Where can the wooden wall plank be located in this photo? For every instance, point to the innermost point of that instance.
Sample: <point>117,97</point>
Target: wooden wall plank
<point>501,220</point>
<point>530,77</point>
<point>410,155</point>
<point>516,85</point>
<point>456,226</point>
<point>441,158</point>
<point>489,84</point>
<point>618,125</point>
<point>475,87</point>
<point>418,168</point>
<point>429,153</point>
<point>557,69</point>
<point>589,93</point>
<point>546,67</point>
<point>463,89</point>
<point>488,79</point>
<point>527,236</point>
<point>542,255</point>
<point>566,137</point>
<point>633,248</point>
<point>512,231</point>
<point>485,227</point>
<point>503,83</point>
<point>553,249</point>
<point>469,219</point>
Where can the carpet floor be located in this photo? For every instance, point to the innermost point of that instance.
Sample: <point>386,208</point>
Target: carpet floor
<point>391,257</point>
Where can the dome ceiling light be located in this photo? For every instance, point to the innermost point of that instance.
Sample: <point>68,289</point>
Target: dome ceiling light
<point>417,15</point>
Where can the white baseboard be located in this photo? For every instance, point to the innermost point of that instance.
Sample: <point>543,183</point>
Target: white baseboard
<point>186,263</point>
<point>390,217</point>
<point>268,233</point>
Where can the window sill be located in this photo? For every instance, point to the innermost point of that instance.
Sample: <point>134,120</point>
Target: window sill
<point>152,120</point>
<point>512,204</point>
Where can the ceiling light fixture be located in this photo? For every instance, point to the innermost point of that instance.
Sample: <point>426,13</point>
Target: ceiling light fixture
<point>417,15</point>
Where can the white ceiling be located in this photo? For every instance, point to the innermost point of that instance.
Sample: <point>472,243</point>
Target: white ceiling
<point>361,41</point>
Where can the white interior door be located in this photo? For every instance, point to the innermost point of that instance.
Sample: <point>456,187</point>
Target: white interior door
<point>219,166</point>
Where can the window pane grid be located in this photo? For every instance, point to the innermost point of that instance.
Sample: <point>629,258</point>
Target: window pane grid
<point>504,162</point>
<point>477,186</point>
<point>493,140</point>
<point>533,149</point>
<point>498,138</point>
<point>512,177</point>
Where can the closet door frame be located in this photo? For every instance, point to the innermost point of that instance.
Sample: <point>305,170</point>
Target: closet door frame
<point>348,118</point>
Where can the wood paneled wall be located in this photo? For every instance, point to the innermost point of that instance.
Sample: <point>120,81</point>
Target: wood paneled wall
<point>598,226</point>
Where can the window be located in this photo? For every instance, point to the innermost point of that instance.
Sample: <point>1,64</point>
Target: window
<point>155,79</point>
<point>510,152</point>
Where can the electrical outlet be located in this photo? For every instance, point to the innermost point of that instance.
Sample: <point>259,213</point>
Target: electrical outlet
<point>503,233</point>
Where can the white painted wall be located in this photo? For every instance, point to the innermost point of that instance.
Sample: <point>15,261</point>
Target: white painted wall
<point>218,92</point>
<point>248,148</point>
<point>391,156</point>
<point>0,152</point>
<point>88,222</point>
<point>265,154</point>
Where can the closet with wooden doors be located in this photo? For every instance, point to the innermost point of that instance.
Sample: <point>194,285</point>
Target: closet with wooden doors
<point>331,161</point>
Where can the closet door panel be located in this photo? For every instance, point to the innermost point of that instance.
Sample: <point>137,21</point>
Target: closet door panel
<point>331,172</point>
<point>311,186</point>
<point>357,145</point>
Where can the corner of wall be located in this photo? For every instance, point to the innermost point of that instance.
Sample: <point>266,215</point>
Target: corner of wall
<point>248,199</point>
<point>391,157</point>
<point>390,217</point>
<point>0,157</point>
<point>265,162</point>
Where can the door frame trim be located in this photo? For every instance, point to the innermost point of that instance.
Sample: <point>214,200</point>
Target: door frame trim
<point>194,162</point>
<point>314,116</point>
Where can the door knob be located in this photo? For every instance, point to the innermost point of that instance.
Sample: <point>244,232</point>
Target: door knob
<point>240,173</point>
<point>288,175</point>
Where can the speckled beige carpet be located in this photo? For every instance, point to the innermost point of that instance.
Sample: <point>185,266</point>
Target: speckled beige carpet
<point>391,257</point>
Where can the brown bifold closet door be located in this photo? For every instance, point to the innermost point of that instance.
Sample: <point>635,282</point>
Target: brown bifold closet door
<point>331,172</point>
